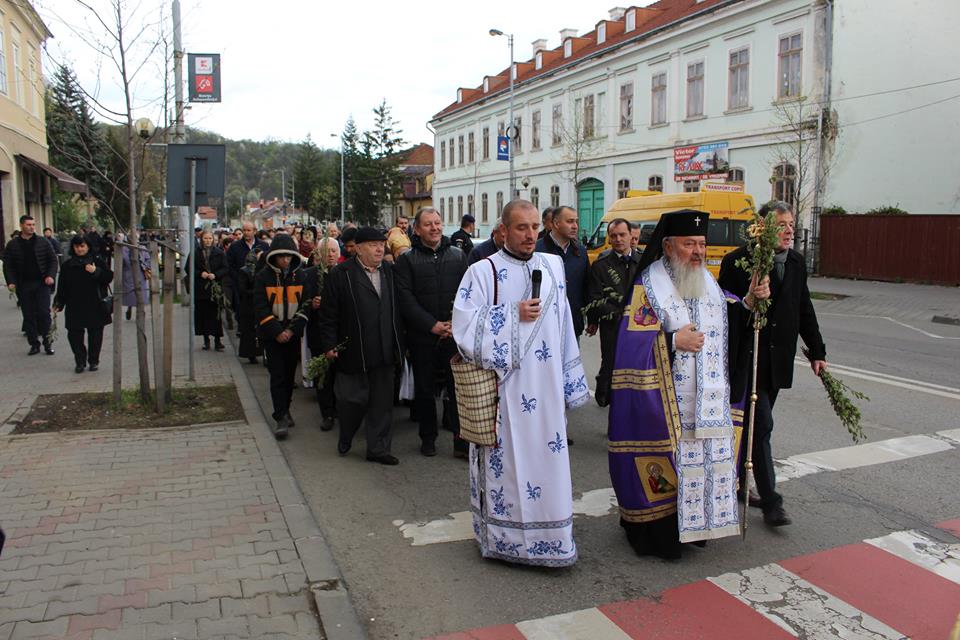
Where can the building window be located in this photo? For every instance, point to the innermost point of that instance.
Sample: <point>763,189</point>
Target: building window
<point>556,125</point>
<point>470,204</point>
<point>450,208</point>
<point>658,99</point>
<point>471,148</point>
<point>460,150</point>
<point>623,187</point>
<point>538,64</point>
<point>535,196</point>
<point>516,194</point>
<point>443,154</point>
<point>501,128</point>
<point>485,142</point>
<point>452,154</point>
<point>631,21</point>
<point>790,53</point>
<point>602,33</point>
<point>484,208</point>
<point>3,60</point>
<point>655,183</point>
<point>739,89</point>
<point>443,210</point>
<point>626,106</point>
<point>691,186</point>
<point>499,203</point>
<point>785,183</point>
<point>554,196</point>
<point>735,175</point>
<point>568,48</point>
<point>17,74</point>
<point>459,207</point>
<point>535,130</point>
<point>517,143</point>
<point>588,113</point>
<point>695,89</point>
<point>32,83</point>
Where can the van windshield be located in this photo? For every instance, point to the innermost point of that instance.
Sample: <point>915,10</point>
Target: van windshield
<point>599,237</point>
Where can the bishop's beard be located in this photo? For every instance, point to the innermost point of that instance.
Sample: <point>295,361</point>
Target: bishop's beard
<point>688,279</point>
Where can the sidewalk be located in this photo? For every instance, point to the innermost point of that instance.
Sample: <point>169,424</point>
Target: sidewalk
<point>902,301</point>
<point>187,532</point>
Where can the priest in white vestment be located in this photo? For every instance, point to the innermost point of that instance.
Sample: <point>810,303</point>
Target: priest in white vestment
<point>521,493</point>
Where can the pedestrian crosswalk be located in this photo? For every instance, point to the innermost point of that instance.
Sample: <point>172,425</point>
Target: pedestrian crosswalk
<point>902,585</point>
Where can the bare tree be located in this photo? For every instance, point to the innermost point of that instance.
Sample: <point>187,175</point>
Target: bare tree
<point>579,142</point>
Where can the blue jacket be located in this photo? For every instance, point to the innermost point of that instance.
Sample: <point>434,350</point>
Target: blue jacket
<point>576,266</point>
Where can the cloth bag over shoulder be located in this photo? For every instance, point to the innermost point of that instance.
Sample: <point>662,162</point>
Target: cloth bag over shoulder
<point>477,394</point>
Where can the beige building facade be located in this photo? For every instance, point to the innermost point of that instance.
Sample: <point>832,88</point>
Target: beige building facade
<point>25,177</point>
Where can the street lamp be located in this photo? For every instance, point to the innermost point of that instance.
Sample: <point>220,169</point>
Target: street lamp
<point>511,127</point>
<point>342,194</point>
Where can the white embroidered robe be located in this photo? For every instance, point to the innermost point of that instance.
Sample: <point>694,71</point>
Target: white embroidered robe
<point>521,493</point>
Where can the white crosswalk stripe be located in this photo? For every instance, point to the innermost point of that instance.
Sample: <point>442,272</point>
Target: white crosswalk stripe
<point>939,557</point>
<point>587,624</point>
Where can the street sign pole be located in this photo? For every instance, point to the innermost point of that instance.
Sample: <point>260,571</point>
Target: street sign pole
<point>193,266</point>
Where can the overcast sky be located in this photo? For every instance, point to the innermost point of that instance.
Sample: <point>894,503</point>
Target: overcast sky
<point>293,68</point>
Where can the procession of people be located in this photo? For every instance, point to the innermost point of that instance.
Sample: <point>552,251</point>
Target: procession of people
<point>385,313</point>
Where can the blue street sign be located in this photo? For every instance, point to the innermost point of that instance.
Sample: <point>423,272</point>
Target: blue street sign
<point>503,148</point>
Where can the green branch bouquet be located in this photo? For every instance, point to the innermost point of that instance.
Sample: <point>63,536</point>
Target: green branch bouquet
<point>318,366</point>
<point>763,238</point>
<point>843,406</point>
<point>217,296</point>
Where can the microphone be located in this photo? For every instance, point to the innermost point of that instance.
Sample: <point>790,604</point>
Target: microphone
<point>536,277</point>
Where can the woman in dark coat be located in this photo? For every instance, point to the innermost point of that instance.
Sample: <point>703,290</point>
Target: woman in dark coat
<point>211,267</point>
<point>247,325</point>
<point>84,279</point>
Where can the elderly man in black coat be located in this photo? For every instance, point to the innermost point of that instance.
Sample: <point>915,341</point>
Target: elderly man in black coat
<point>428,277</point>
<point>30,268</point>
<point>360,327</point>
<point>791,314</point>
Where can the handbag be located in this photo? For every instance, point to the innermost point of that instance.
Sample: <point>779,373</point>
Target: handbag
<point>477,394</point>
<point>406,382</point>
<point>106,307</point>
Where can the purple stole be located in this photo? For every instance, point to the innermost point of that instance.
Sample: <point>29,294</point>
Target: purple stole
<point>644,420</point>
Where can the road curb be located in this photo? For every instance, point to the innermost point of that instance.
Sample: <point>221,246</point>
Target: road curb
<point>338,618</point>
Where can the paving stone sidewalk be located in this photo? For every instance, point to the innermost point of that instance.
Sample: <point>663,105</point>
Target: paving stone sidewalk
<point>192,532</point>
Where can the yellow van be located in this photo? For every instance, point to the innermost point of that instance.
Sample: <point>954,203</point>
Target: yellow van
<point>729,207</point>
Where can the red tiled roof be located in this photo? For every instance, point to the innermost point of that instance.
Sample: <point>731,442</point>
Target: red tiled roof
<point>648,20</point>
<point>421,154</point>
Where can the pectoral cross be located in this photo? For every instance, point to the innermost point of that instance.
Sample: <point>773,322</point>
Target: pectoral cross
<point>697,220</point>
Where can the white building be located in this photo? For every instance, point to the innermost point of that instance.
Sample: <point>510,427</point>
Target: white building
<point>614,109</point>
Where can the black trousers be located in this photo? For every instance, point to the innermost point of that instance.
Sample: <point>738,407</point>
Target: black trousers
<point>89,353</point>
<point>326,398</point>
<point>282,361</point>
<point>366,398</point>
<point>431,373</point>
<point>35,307</point>
<point>763,470</point>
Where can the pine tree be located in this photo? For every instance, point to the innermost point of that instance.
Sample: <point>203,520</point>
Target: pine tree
<point>384,143</point>
<point>308,171</point>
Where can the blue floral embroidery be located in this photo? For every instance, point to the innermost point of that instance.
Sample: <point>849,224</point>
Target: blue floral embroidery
<point>543,353</point>
<point>529,405</point>
<point>466,292</point>
<point>547,548</point>
<point>570,387</point>
<point>556,445</point>
<point>502,275</point>
<point>497,320</point>
<point>500,506</point>
<point>508,548</point>
<point>473,488</point>
<point>500,350</point>
<point>533,493</point>
<point>496,459</point>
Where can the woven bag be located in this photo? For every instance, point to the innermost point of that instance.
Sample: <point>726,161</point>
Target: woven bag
<point>477,394</point>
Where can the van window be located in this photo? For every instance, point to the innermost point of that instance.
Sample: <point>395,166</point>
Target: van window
<point>739,237</point>
<point>646,231</point>
<point>599,237</point>
<point>718,233</point>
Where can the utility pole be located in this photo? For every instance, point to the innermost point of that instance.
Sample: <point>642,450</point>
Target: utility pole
<point>511,130</point>
<point>179,137</point>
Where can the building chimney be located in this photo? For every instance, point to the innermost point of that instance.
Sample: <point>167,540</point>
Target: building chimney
<point>539,45</point>
<point>567,33</point>
<point>617,13</point>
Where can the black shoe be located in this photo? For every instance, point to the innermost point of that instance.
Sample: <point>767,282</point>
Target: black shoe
<point>94,366</point>
<point>754,500</point>
<point>462,454</point>
<point>776,517</point>
<point>79,368</point>
<point>327,424</point>
<point>386,459</point>
<point>206,345</point>
<point>129,312</point>
<point>34,350</point>
<point>343,449</point>
<point>48,349</point>
<point>218,346</point>
<point>569,442</point>
<point>283,424</point>
<point>428,448</point>
<point>291,420</point>
<point>253,360</point>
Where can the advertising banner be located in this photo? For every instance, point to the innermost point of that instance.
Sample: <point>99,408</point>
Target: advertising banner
<point>503,148</point>
<point>701,162</point>
<point>203,75</point>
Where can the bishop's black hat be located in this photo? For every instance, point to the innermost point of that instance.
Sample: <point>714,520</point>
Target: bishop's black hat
<point>685,222</point>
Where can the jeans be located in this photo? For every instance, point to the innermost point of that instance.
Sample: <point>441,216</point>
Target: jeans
<point>35,307</point>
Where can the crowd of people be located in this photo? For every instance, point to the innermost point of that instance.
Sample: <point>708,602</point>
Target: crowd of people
<point>383,310</point>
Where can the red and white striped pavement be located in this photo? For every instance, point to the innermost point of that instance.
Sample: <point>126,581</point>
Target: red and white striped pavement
<point>902,585</point>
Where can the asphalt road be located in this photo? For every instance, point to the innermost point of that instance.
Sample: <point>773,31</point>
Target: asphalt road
<point>406,591</point>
